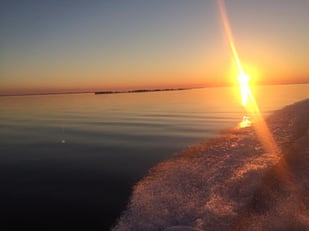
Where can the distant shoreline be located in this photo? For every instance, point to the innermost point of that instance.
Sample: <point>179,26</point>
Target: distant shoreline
<point>135,90</point>
<point>104,92</point>
<point>140,91</point>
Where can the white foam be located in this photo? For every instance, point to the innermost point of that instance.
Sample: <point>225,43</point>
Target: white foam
<point>211,185</point>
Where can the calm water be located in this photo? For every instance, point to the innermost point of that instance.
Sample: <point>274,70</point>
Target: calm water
<point>70,161</point>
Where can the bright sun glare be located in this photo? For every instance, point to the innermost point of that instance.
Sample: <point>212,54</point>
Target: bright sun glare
<point>247,98</point>
<point>243,81</point>
<point>243,78</point>
<point>245,91</point>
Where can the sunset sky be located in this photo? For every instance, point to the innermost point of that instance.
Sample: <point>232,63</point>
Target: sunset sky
<point>62,45</point>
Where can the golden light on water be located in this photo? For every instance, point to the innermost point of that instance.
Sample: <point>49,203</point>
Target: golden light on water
<point>245,92</point>
<point>246,122</point>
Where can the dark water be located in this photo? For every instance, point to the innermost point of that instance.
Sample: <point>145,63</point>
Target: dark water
<point>69,162</point>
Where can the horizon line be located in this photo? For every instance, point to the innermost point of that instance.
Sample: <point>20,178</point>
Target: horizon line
<point>141,90</point>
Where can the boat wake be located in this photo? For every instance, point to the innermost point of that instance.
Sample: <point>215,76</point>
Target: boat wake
<point>230,183</point>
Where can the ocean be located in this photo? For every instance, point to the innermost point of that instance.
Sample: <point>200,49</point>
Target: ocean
<point>69,162</point>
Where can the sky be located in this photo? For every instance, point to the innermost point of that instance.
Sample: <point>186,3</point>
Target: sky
<point>66,45</point>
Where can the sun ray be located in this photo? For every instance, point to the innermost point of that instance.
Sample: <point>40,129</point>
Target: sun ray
<point>247,98</point>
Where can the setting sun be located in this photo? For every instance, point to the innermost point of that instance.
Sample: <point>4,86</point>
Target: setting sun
<point>245,91</point>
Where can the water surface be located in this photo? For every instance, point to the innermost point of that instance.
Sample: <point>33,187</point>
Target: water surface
<point>69,161</point>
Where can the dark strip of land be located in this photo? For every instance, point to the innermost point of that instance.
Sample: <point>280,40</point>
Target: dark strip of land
<point>140,91</point>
